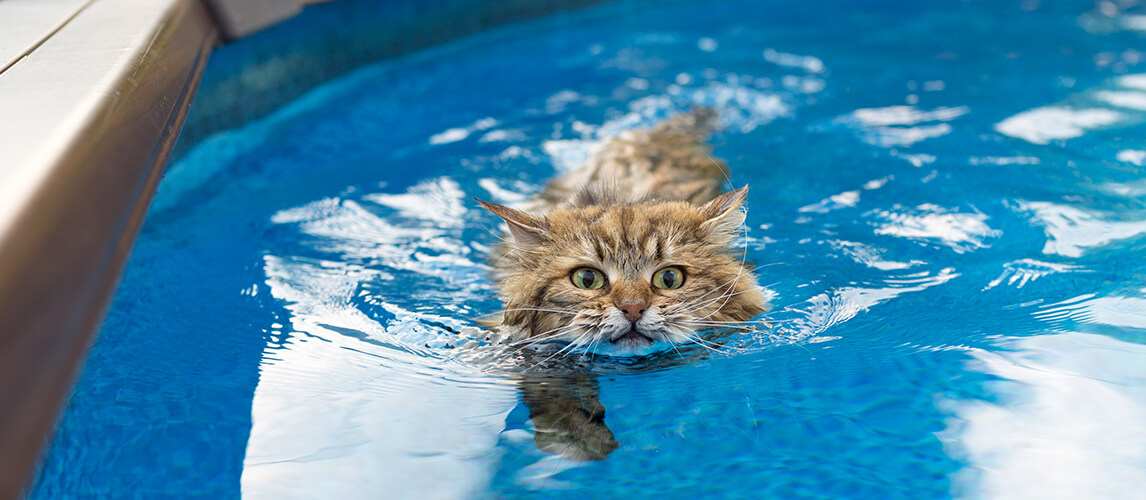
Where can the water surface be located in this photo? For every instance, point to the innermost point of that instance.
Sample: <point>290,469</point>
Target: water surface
<point>947,200</point>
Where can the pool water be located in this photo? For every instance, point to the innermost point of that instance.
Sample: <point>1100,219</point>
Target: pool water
<point>947,202</point>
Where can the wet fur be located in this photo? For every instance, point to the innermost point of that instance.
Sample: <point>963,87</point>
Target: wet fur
<point>645,201</point>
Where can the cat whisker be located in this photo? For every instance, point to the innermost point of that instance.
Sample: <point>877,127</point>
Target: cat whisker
<point>729,283</point>
<point>700,302</point>
<point>717,322</point>
<point>599,339</point>
<point>701,343</point>
<point>533,342</point>
<point>690,336</point>
<point>739,272</point>
<point>694,305</point>
<point>720,342</point>
<point>567,347</point>
<point>691,307</point>
<point>545,336</point>
<point>728,326</point>
<point>559,331</point>
<point>591,345</point>
<point>541,309</point>
<point>735,281</point>
<point>727,297</point>
<point>498,235</point>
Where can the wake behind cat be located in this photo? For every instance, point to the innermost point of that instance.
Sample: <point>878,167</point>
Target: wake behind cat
<point>632,252</point>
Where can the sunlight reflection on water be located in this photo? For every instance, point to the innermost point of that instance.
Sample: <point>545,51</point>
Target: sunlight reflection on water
<point>1068,424</point>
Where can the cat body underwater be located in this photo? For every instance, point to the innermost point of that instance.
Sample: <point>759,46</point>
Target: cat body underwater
<point>632,252</point>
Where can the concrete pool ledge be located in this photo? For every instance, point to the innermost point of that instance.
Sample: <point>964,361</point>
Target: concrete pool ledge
<point>92,96</point>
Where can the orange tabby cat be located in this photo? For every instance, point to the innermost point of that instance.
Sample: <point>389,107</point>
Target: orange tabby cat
<point>631,252</point>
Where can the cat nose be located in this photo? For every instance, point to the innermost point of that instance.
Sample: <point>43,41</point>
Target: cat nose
<point>633,311</point>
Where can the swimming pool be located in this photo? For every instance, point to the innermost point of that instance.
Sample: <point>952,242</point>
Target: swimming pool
<point>947,202</point>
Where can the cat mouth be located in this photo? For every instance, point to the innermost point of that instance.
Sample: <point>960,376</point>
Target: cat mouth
<point>632,336</point>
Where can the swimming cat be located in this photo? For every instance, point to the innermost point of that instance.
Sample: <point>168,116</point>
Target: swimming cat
<point>630,253</point>
<point>626,254</point>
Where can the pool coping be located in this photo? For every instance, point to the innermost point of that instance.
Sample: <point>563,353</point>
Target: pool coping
<point>89,113</point>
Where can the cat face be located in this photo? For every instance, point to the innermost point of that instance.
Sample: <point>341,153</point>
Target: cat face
<point>628,278</point>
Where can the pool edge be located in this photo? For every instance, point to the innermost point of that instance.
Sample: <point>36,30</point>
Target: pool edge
<point>62,253</point>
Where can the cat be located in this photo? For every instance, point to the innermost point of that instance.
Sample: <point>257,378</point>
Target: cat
<point>631,253</point>
<point>625,255</point>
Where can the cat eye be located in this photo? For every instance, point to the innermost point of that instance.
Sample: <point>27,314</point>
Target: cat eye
<point>588,278</point>
<point>668,278</point>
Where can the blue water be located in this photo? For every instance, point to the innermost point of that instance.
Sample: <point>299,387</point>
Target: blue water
<point>947,200</point>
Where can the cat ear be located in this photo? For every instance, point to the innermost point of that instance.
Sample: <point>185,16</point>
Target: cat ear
<point>528,231</point>
<point>723,213</point>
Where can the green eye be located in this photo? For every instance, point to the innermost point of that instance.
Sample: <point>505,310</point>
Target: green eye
<point>668,278</point>
<point>588,278</point>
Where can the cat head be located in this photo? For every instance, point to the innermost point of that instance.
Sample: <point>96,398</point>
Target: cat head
<point>628,278</point>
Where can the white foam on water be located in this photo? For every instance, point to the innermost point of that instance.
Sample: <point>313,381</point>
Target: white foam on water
<point>1073,231</point>
<point>437,200</point>
<point>461,133</point>
<point>905,115</point>
<point>888,137</point>
<point>1020,272</point>
<point>1132,189</point>
<point>1042,125</point>
<point>1116,103</point>
<point>961,231</point>
<point>902,126</point>
<point>834,202</point>
<point>1132,156</point>
<point>1123,312</point>
<point>917,159</point>
<point>837,306</point>
<point>1129,99</point>
<point>1133,22</point>
<point>510,135</point>
<point>568,154</point>
<point>1004,160</point>
<point>450,135</point>
<point>1137,81</point>
<point>810,64</point>
<point>870,256</point>
<point>740,108</point>
<point>557,102</point>
<point>503,195</point>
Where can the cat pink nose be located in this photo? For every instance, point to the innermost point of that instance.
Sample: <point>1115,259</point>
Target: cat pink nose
<point>633,312</point>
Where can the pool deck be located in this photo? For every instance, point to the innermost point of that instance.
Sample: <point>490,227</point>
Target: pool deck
<point>92,96</point>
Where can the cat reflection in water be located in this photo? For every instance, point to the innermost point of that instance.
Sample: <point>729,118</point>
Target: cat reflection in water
<point>628,255</point>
